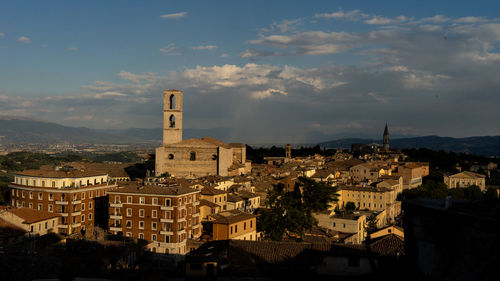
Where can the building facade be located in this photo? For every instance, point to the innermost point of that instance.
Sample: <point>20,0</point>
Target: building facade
<point>193,158</point>
<point>465,179</point>
<point>166,216</point>
<point>79,197</point>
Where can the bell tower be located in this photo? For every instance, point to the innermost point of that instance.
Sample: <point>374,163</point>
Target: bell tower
<point>172,117</point>
<point>386,138</point>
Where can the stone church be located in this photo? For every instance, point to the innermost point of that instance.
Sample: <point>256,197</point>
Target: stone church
<point>193,158</point>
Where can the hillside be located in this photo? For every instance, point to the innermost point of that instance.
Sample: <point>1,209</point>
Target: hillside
<point>484,145</point>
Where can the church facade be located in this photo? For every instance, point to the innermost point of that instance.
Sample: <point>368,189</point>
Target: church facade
<point>193,158</point>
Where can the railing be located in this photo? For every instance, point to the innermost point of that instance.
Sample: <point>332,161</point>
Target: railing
<point>166,232</point>
<point>115,227</point>
<point>166,208</point>
<point>62,202</point>
<point>116,216</point>
<point>166,220</point>
<point>115,204</point>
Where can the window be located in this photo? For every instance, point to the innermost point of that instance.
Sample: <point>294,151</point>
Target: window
<point>192,156</point>
<point>40,207</point>
<point>83,195</point>
<point>235,228</point>
<point>83,206</point>
<point>334,224</point>
<point>53,184</point>
<point>50,208</point>
<point>74,197</point>
<point>231,230</point>
<point>43,183</point>
<point>172,101</point>
<point>31,205</point>
<point>128,234</point>
<point>170,156</point>
<point>142,200</point>
<point>129,224</point>
<point>31,195</point>
<point>244,226</point>
<point>40,196</point>
<point>141,225</point>
<point>51,197</point>
<point>90,205</point>
<point>90,216</point>
<point>141,235</point>
<point>141,213</point>
<point>154,214</point>
<point>172,121</point>
<point>155,201</point>
<point>251,223</point>
<point>153,237</point>
<point>83,218</point>
<point>167,202</point>
<point>153,225</point>
<point>129,199</point>
<point>129,212</point>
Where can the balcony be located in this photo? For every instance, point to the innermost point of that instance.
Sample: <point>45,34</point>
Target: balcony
<point>115,227</point>
<point>64,214</point>
<point>76,202</point>
<point>166,232</point>
<point>62,202</point>
<point>62,226</point>
<point>196,215</point>
<point>76,225</point>
<point>196,203</point>
<point>167,208</point>
<point>116,216</point>
<point>166,220</point>
<point>116,204</point>
<point>181,219</point>
<point>76,213</point>
<point>182,231</point>
<point>196,226</point>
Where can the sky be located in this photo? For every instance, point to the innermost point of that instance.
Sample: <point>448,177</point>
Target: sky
<point>268,71</point>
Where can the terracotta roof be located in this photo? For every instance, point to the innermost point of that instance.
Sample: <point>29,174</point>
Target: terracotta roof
<point>30,216</point>
<point>204,202</point>
<point>389,245</point>
<point>60,174</point>
<point>216,142</point>
<point>230,217</point>
<point>246,194</point>
<point>234,198</point>
<point>209,190</point>
<point>153,189</point>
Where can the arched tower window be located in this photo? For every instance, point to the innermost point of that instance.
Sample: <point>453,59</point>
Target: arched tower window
<point>172,121</point>
<point>192,156</point>
<point>172,101</point>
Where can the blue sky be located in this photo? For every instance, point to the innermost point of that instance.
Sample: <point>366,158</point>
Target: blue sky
<point>271,71</point>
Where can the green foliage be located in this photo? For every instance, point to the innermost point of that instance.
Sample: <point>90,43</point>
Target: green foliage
<point>291,212</point>
<point>439,190</point>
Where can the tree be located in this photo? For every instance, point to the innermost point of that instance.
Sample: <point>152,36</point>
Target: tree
<point>292,212</point>
<point>350,207</point>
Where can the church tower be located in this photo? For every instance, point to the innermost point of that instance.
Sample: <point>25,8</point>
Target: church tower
<point>172,117</point>
<point>386,138</point>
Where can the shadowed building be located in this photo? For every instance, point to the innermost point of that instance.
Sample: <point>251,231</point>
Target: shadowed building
<point>385,146</point>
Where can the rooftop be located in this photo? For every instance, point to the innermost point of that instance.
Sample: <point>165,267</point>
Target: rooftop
<point>230,217</point>
<point>174,190</point>
<point>30,216</point>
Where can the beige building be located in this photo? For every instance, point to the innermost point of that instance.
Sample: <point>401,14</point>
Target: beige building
<point>354,224</point>
<point>34,222</point>
<point>368,172</point>
<point>412,173</point>
<point>465,179</point>
<point>194,157</point>
<point>371,198</point>
<point>233,224</point>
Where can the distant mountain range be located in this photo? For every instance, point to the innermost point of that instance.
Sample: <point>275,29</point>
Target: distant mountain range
<point>485,145</point>
<point>27,131</point>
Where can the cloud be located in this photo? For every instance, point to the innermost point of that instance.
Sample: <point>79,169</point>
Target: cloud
<point>284,26</point>
<point>170,50</point>
<point>73,49</point>
<point>205,47</point>
<point>174,16</point>
<point>24,39</point>
<point>267,94</point>
<point>86,117</point>
<point>224,55</point>
<point>354,15</point>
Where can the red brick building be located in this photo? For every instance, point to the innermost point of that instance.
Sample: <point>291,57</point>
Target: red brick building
<point>166,216</point>
<point>79,196</point>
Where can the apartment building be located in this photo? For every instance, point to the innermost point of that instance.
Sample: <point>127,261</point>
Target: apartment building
<point>412,173</point>
<point>78,196</point>
<point>233,224</point>
<point>371,198</point>
<point>166,216</point>
<point>32,221</point>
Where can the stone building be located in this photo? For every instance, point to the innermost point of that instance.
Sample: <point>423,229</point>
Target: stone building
<point>194,157</point>
<point>32,221</point>
<point>79,196</point>
<point>465,179</point>
<point>166,216</point>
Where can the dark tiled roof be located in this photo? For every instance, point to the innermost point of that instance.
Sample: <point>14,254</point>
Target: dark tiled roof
<point>209,190</point>
<point>204,202</point>
<point>389,245</point>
